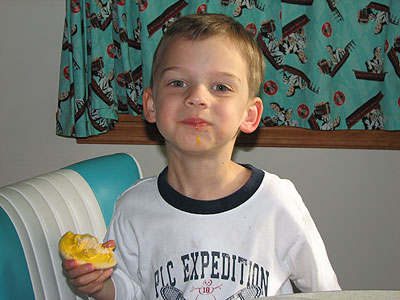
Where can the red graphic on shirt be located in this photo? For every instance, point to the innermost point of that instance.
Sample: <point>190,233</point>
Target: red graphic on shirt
<point>206,290</point>
<point>398,102</point>
<point>270,87</point>
<point>326,29</point>
<point>121,2</point>
<point>75,6</point>
<point>339,98</point>
<point>303,111</point>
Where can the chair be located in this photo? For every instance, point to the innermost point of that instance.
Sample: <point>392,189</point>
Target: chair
<point>35,213</point>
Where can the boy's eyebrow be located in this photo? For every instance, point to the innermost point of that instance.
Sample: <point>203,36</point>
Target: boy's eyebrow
<point>221,73</point>
<point>169,69</point>
<point>229,75</point>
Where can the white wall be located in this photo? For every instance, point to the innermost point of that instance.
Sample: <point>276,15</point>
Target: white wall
<point>353,195</point>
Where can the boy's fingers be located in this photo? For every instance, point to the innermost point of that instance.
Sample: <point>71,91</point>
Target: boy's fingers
<point>68,264</point>
<point>108,244</point>
<point>105,275</point>
<point>86,279</point>
<point>93,282</point>
<point>99,283</point>
<point>80,270</point>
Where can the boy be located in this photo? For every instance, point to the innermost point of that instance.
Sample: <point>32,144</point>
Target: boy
<point>207,227</point>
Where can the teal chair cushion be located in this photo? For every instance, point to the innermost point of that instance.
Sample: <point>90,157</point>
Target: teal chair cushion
<point>108,176</point>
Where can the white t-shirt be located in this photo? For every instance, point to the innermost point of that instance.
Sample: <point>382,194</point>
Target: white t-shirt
<point>244,246</point>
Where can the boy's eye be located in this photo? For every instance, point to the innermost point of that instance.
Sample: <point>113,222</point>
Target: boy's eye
<point>220,88</point>
<point>178,83</point>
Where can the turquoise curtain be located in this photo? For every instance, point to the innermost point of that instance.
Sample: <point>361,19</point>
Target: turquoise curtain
<point>331,65</point>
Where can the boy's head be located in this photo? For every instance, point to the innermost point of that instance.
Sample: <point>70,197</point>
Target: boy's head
<point>203,26</point>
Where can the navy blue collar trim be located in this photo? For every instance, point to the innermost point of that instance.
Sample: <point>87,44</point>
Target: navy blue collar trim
<point>181,202</point>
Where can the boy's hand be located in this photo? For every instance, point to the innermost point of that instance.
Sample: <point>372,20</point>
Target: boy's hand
<point>85,278</point>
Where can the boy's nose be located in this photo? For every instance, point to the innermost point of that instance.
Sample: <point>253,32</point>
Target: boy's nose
<point>197,96</point>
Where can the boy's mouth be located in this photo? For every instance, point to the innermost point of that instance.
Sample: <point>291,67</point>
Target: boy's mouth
<point>197,123</point>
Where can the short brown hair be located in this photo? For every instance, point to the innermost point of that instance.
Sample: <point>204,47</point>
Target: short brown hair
<point>202,26</point>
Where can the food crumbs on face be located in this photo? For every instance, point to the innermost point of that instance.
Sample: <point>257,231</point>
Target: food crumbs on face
<point>198,143</point>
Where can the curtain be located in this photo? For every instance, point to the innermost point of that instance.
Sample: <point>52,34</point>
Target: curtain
<point>331,65</point>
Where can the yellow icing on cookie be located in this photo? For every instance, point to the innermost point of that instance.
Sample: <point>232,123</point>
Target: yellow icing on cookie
<point>86,249</point>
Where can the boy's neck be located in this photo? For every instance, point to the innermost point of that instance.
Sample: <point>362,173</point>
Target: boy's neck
<point>205,179</point>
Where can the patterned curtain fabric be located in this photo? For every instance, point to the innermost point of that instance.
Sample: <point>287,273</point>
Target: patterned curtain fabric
<point>331,64</point>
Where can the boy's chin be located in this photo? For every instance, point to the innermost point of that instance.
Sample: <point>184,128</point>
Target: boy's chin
<point>199,144</point>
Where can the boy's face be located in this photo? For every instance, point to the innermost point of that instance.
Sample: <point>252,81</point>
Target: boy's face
<point>200,97</point>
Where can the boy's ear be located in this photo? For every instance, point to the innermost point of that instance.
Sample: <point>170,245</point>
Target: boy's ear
<point>253,117</point>
<point>148,105</point>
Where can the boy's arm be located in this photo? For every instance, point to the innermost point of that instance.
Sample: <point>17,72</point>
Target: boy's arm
<point>313,271</point>
<point>311,268</point>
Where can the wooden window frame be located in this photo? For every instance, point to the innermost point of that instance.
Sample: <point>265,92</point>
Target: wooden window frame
<point>134,130</point>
